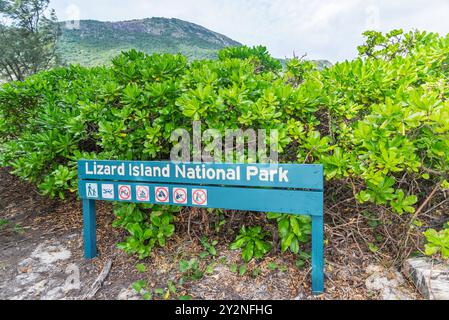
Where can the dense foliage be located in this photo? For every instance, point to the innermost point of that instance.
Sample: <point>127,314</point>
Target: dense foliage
<point>379,123</point>
<point>437,242</point>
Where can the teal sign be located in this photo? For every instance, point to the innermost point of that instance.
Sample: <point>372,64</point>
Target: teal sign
<point>281,188</point>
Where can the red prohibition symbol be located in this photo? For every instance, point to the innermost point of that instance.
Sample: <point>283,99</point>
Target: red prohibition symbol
<point>161,194</point>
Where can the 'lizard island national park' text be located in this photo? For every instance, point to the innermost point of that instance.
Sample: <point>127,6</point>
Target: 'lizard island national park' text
<point>274,173</point>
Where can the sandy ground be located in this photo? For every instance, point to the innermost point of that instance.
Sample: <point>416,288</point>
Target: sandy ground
<point>41,257</point>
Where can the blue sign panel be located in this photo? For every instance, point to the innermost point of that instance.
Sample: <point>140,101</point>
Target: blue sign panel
<point>281,188</point>
<point>232,198</point>
<point>249,175</point>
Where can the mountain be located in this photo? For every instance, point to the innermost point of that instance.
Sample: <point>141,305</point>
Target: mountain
<point>90,42</point>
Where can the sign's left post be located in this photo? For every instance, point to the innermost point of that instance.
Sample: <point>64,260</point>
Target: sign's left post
<point>90,229</point>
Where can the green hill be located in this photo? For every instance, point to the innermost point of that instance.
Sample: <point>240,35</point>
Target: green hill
<point>96,42</point>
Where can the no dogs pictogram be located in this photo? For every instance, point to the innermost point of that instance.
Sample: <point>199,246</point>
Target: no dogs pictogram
<point>199,197</point>
<point>161,194</point>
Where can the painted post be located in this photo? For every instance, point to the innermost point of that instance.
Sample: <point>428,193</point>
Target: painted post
<point>90,229</point>
<point>283,188</point>
<point>317,254</point>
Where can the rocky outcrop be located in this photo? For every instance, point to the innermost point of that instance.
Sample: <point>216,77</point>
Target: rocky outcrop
<point>389,284</point>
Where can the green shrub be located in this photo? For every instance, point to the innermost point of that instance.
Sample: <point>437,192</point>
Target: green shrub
<point>293,230</point>
<point>379,123</point>
<point>259,56</point>
<point>146,229</point>
<point>437,242</point>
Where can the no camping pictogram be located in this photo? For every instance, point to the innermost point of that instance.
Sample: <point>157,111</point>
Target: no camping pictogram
<point>124,192</point>
<point>161,194</point>
<point>199,197</point>
<point>180,195</point>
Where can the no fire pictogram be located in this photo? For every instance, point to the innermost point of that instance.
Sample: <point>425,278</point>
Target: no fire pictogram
<point>143,193</point>
<point>199,197</point>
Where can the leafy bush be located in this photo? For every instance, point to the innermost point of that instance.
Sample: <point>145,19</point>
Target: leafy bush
<point>259,56</point>
<point>379,123</point>
<point>392,44</point>
<point>146,230</point>
<point>252,242</point>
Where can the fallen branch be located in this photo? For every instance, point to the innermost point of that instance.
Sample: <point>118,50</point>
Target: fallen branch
<point>424,204</point>
<point>99,281</point>
<point>436,206</point>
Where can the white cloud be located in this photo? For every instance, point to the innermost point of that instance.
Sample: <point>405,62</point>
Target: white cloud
<point>329,29</point>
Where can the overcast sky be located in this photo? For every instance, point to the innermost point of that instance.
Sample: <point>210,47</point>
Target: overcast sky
<point>324,29</point>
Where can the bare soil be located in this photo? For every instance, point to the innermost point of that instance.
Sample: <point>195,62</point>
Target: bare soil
<point>41,257</point>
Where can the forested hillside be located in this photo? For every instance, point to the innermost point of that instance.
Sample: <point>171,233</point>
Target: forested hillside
<point>95,42</point>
